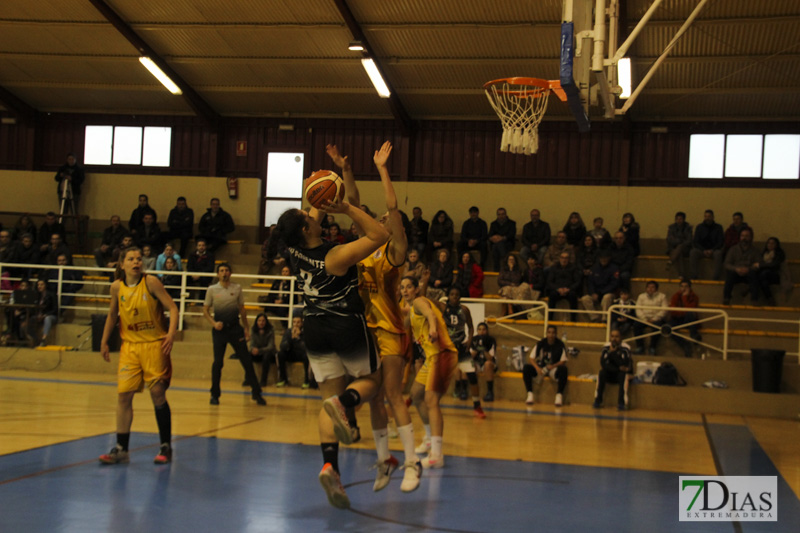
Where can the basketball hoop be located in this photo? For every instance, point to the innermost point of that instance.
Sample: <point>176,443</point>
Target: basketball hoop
<point>520,103</point>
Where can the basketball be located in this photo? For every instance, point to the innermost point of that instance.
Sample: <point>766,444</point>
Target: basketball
<point>323,186</point>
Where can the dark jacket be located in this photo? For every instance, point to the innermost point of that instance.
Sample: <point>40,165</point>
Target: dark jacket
<point>708,237</point>
<point>539,234</point>
<point>150,236</point>
<point>45,232</point>
<point>474,229</point>
<point>678,235</point>
<point>76,171</point>
<point>559,277</point>
<point>264,342</point>
<point>113,236</point>
<point>575,234</point>
<point>137,217</point>
<point>443,273</point>
<point>507,230</point>
<point>632,236</point>
<point>181,221</point>
<point>218,225</point>
<point>535,278</point>
<point>419,232</point>
<point>200,263</point>
<point>603,280</point>
<point>622,257</point>
<point>47,304</point>
<point>612,360</point>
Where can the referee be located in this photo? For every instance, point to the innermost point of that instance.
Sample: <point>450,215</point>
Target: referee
<point>228,302</point>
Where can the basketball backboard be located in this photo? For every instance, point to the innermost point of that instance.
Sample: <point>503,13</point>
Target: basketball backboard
<point>577,23</point>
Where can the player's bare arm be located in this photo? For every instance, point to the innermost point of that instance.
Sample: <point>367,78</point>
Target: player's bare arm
<point>111,320</point>
<point>424,308</point>
<point>342,257</point>
<point>350,188</point>
<point>398,246</point>
<point>156,288</point>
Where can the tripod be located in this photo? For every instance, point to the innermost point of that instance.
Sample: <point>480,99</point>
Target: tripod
<point>67,200</point>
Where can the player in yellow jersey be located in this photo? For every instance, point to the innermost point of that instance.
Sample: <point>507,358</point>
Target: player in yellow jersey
<point>139,301</point>
<point>441,358</point>
<point>379,277</point>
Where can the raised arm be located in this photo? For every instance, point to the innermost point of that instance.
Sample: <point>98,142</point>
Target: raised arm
<point>350,187</point>
<point>399,243</point>
<point>342,257</point>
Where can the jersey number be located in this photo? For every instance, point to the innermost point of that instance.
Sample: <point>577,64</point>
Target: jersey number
<point>307,288</point>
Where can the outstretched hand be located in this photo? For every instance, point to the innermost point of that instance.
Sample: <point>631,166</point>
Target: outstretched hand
<point>334,207</point>
<point>382,156</point>
<point>338,159</point>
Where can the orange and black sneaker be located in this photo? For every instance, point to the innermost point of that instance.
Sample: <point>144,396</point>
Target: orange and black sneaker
<point>116,456</point>
<point>164,455</point>
<point>329,479</point>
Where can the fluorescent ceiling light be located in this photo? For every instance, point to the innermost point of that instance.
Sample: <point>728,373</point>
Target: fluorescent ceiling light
<point>160,76</point>
<point>375,77</point>
<point>624,76</point>
<point>356,46</point>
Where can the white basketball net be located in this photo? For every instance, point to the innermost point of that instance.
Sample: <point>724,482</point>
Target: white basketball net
<point>520,111</point>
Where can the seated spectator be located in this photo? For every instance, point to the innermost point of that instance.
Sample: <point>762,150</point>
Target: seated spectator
<point>650,319</point>
<point>769,268</point>
<point>630,228</point>
<point>352,234</point>
<point>616,366</point>
<point>292,349</point>
<point>112,236</point>
<point>474,236</point>
<point>586,254</point>
<point>469,277</point>
<point>168,252</point>
<point>483,352</point>
<point>137,215</point>
<point>413,266</point>
<point>215,225</point>
<point>17,323</point>
<point>511,280</point>
<point>172,282</point>
<point>733,231</point>
<point>623,256</point>
<point>600,234</point>
<point>547,358</point>
<point>8,248</point>
<point>623,319</point>
<point>50,226</point>
<point>440,236</point>
<point>201,262</point>
<point>533,275</point>
<point>24,225</point>
<point>127,242</point>
<point>502,237</point>
<point>708,242</point>
<point>180,224</point>
<point>553,251</point>
<point>149,234</point>
<point>335,233</point>
<point>46,310</point>
<point>575,229</point>
<point>441,276</point>
<point>71,282</point>
<point>148,258</point>
<point>679,242</point>
<point>535,237</point>
<point>741,266</point>
<point>418,239</point>
<point>56,248</point>
<point>601,285</point>
<point>563,283</point>
<point>27,253</point>
<point>262,346</point>
<point>685,297</point>
<point>280,293</point>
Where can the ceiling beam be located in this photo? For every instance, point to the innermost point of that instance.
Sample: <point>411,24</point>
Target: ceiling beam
<point>395,105</point>
<point>195,101</point>
<point>16,106</point>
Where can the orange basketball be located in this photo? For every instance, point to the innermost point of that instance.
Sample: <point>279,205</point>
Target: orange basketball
<point>323,186</point>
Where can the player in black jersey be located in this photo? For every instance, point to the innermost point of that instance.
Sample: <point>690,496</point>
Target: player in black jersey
<point>483,357</point>
<point>336,335</point>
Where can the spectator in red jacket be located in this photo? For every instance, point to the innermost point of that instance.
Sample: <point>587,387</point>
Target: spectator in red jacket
<point>687,298</point>
<point>469,278</point>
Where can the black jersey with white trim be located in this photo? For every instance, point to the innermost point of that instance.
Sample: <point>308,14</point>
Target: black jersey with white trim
<point>456,320</point>
<point>324,293</point>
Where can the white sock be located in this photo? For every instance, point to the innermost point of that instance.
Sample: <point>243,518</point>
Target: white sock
<point>381,437</point>
<point>427,431</point>
<point>436,447</point>
<point>407,438</point>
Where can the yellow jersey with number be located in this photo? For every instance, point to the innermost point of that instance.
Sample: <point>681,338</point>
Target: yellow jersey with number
<point>141,315</point>
<point>377,285</point>
<point>421,331</point>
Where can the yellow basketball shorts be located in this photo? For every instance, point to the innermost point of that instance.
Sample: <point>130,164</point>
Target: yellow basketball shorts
<point>437,371</point>
<point>390,343</point>
<point>140,363</point>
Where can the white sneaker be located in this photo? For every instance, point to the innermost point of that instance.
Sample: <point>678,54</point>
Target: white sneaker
<point>529,399</point>
<point>341,427</point>
<point>330,481</point>
<point>433,462</point>
<point>559,400</point>
<point>385,470</point>
<point>413,471</point>
<point>424,447</point>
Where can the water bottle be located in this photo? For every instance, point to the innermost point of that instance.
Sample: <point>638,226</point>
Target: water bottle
<point>564,339</point>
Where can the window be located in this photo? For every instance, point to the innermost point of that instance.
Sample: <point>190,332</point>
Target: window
<point>125,145</point>
<point>744,156</point>
<point>284,188</point>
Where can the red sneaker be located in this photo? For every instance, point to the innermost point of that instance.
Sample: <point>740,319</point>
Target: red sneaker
<point>479,413</point>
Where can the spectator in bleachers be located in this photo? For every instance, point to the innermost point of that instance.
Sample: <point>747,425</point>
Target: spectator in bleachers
<point>708,242</point>
<point>280,293</point>
<point>733,231</point>
<point>533,275</point>
<point>770,266</point>
<point>600,234</point>
<point>563,283</point>
<point>474,236</point>
<point>601,285</point>
<point>56,248</point>
<point>623,319</point>
<point>149,234</point>
<point>127,242</point>
<point>172,282</point>
<point>469,277</point>
<point>440,236</point>
<point>352,234</point>
<point>335,233</point>
<point>293,349</point>
<point>24,225</point>
<point>547,358</point>
<point>654,318</point>
<point>71,282</point>
<point>679,242</point>
<point>553,252</point>
<point>631,230</point>
<point>148,258</point>
<point>180,224</point>
<point>262,346</point>
<point>215,225</point>
<point>484,357</point>
<point>616,365</point>
<point>168,252</point>
<point>502,237</point>
<point>137,215</point>
<point>27,253</point>
<point>270,263</point>
<point>413,266</point>
<point>575,229</point>
<point>741,266</point>
<point>685,297</point>
<point>73,173</point>
<point>51,225</point>
<point>112,236</point>
<point>418,240</point>
<point>46,310</point>
<point>202,262</point>
<point>535,237</point>
<point>623,256</point>
<point>441,275</point>
<point>8,248</point>
<point>511,280</point>
<point>17,318</point>
<point>586,254</point>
